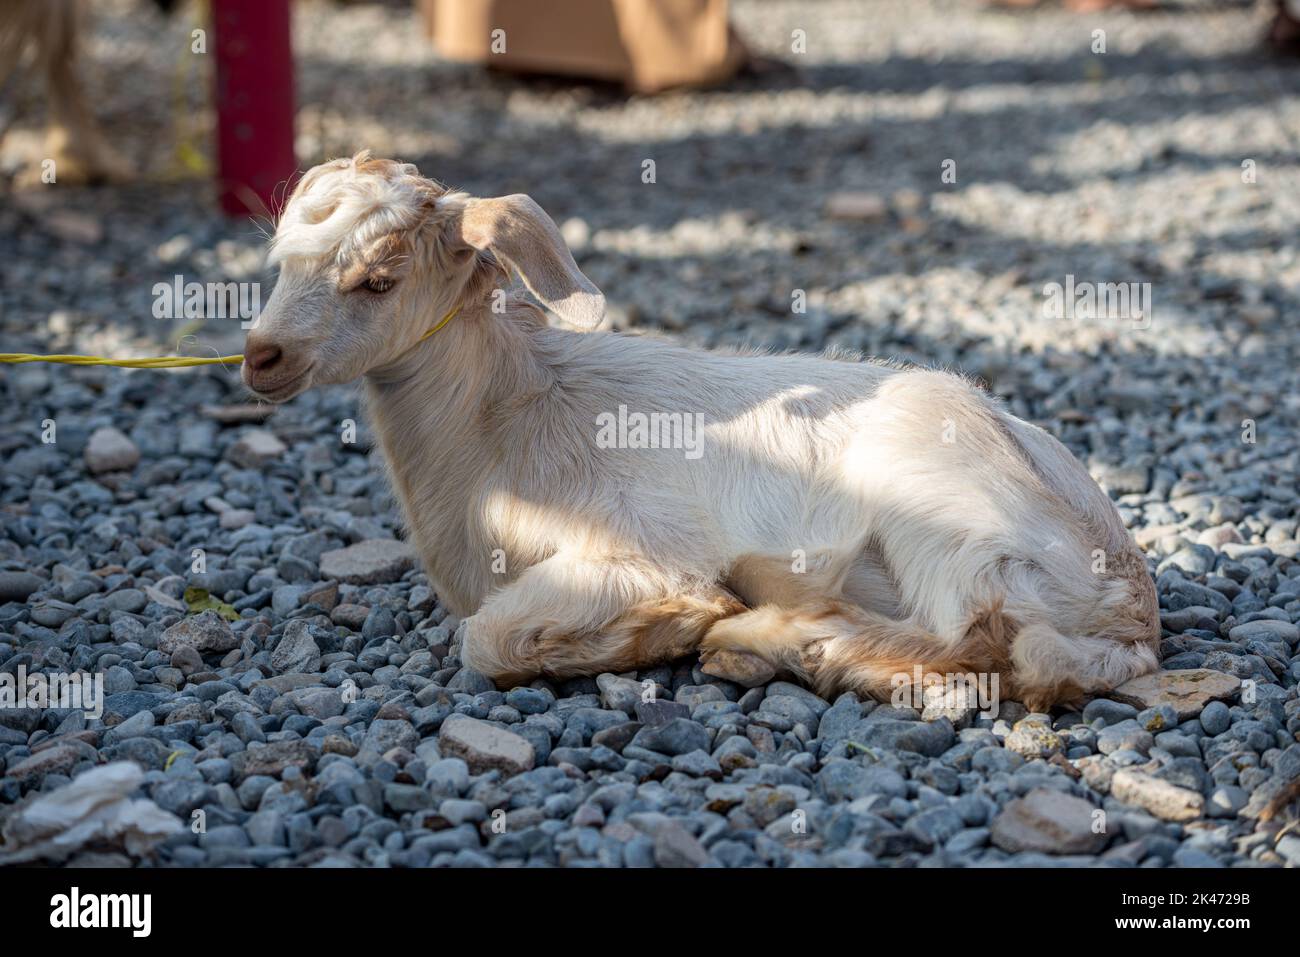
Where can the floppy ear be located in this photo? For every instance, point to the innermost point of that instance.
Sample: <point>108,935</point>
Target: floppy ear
<point>518,232</point>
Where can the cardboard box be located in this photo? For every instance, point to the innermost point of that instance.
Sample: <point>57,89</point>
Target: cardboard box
<point>648,45</point>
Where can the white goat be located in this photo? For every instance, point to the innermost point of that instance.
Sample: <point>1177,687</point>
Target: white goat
<point>845,521</point>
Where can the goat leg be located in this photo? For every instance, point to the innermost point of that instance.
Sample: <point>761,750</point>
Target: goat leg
<point>571,615</point>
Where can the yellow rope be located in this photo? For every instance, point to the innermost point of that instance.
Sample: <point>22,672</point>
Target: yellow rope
<point>163,362</point>
<point>445,319</point>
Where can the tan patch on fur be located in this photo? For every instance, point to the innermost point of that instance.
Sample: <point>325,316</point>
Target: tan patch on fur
<point>770,580</point>
<point>837,646</point>
<point>1043,699</point>
<point>382,261</point>
<point>1145,610</point>
<point>662,631</point>
<point>648,634</point>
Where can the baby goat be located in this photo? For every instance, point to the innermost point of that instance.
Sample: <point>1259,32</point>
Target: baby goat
<point>844,521</point>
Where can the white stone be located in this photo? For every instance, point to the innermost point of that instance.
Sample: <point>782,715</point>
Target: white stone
<point>110,450</point>
<point>255,447</point>
<point>375,561</point>
<point>857,207</point>
<point>484,746</point>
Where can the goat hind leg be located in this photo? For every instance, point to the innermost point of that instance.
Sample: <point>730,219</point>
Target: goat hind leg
<point>835,645</point>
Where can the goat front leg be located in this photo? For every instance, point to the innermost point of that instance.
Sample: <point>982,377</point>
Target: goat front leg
<point>569,616</point>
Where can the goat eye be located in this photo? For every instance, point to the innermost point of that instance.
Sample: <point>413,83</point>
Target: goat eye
<point>378,284</point>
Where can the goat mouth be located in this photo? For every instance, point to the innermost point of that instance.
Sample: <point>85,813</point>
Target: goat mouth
<point>282,391</point>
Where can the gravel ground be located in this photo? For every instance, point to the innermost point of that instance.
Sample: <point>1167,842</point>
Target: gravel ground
<point>330,723</point>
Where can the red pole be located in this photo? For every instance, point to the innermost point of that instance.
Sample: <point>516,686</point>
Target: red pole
<point>254,77</point>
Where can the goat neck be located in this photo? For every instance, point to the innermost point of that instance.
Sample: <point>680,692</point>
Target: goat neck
<point>440,412</point>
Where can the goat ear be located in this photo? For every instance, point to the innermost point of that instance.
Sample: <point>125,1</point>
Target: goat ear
<point>518,232</point>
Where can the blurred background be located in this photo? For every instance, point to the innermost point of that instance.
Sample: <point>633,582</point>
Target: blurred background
<point>899,178</point>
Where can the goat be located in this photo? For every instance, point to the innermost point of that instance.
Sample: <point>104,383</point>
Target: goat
<point>845,521</point>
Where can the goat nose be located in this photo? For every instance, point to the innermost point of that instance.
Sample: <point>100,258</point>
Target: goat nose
<point>261,358</point>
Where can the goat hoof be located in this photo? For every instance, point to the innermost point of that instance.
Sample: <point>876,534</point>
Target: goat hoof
<point>746,670</point>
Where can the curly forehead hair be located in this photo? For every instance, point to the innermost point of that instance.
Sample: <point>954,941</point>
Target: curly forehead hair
<point>345,205</point>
